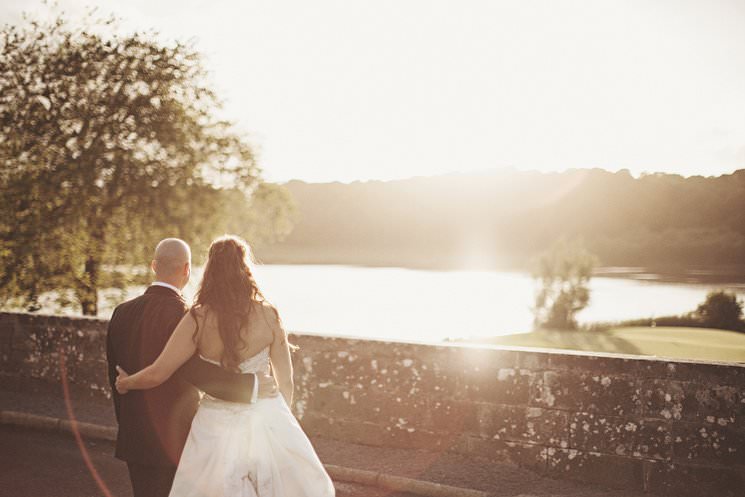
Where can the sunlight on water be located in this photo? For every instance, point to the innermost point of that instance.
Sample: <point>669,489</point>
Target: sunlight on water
<point>425,305</point>
<point>397,303</point>
<point>616,299</point>
<point>433,305</point>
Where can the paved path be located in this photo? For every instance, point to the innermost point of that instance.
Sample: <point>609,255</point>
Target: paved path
<point>499,480</point>
<point>38,464</point>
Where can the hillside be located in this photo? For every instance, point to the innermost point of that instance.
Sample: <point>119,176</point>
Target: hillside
<point>503,218</point>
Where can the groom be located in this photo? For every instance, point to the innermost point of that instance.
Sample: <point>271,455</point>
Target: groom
<point>154,424</point>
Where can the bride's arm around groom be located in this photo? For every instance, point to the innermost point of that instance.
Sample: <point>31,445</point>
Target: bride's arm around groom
<point>181,346</point>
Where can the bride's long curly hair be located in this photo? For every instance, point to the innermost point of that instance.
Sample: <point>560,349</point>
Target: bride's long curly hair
<point>228,290</point>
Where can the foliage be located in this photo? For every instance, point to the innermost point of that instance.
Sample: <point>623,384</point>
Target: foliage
<point>721,310</point>
<point>264,218</point>
<point>665,222</point>
<point>108,142</point>
<point>563,274</point>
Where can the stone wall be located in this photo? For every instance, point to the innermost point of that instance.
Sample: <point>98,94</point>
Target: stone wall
<point>669,428</point>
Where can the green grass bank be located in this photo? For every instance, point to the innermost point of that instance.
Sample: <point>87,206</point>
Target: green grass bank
<point>704,344</point>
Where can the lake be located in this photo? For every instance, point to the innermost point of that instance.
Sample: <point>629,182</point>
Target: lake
<point>430,305</point>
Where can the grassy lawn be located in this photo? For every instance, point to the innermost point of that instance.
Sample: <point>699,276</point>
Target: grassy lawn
<point>673,342</point>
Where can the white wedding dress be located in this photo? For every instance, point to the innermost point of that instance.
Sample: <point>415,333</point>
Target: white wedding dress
<point>249,450</point>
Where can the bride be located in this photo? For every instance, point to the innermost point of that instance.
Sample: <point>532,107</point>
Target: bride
<point>237,450</point>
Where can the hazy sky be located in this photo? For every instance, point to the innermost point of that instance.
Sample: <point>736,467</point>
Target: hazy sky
<point>345,90</point>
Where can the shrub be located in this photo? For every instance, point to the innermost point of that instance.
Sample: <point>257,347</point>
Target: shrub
<point>721,310</point>
<point>563,274</point>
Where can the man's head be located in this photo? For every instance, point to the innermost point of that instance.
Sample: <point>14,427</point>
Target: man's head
<point>172,262</point>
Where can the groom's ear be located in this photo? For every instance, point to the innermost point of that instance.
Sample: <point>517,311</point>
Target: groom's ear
<point>152,265</point>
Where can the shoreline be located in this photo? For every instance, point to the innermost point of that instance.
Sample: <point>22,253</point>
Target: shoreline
<point>498,300</point>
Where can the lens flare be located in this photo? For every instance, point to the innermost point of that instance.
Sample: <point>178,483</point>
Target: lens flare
<point>75,431</point>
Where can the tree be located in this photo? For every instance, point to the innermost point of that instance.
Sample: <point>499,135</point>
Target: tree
<point>266,217</point>
<point>108,142</point>
<point>721,310</point>
<point>563,274</point>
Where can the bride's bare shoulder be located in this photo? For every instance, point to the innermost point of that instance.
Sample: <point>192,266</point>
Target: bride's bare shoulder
<point>269,314</point>
<point>203,317</point>
<point>199,312</point>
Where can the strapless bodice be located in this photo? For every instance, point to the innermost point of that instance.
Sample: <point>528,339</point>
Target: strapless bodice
<point>257,363</point>
<point>249,450</point>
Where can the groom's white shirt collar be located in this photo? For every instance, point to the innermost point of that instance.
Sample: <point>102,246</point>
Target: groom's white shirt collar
<point>167,285</point>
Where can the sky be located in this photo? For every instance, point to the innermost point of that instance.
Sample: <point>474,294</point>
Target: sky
<point>356,90</point>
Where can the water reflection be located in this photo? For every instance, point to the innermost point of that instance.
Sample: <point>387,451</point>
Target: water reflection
<point>425,305</point>
<point>432,305</point>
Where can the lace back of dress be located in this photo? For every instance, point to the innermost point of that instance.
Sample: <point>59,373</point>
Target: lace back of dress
<point>257,363</point>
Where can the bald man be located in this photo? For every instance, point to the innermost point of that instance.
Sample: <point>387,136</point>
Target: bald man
<point>154,424</point>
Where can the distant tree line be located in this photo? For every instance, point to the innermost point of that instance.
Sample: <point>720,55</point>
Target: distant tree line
<point>510,217</point>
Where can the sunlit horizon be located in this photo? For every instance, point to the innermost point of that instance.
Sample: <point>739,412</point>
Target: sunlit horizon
<point>497,170</point>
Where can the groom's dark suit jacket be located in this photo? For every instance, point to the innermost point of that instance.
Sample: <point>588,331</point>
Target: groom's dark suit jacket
<point>154,424</point>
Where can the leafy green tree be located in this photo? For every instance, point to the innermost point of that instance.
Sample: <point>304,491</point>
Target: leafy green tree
<point>563,275</point>
<point>721,310</point>
<point>264,218</point>
<point>108,142</point>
